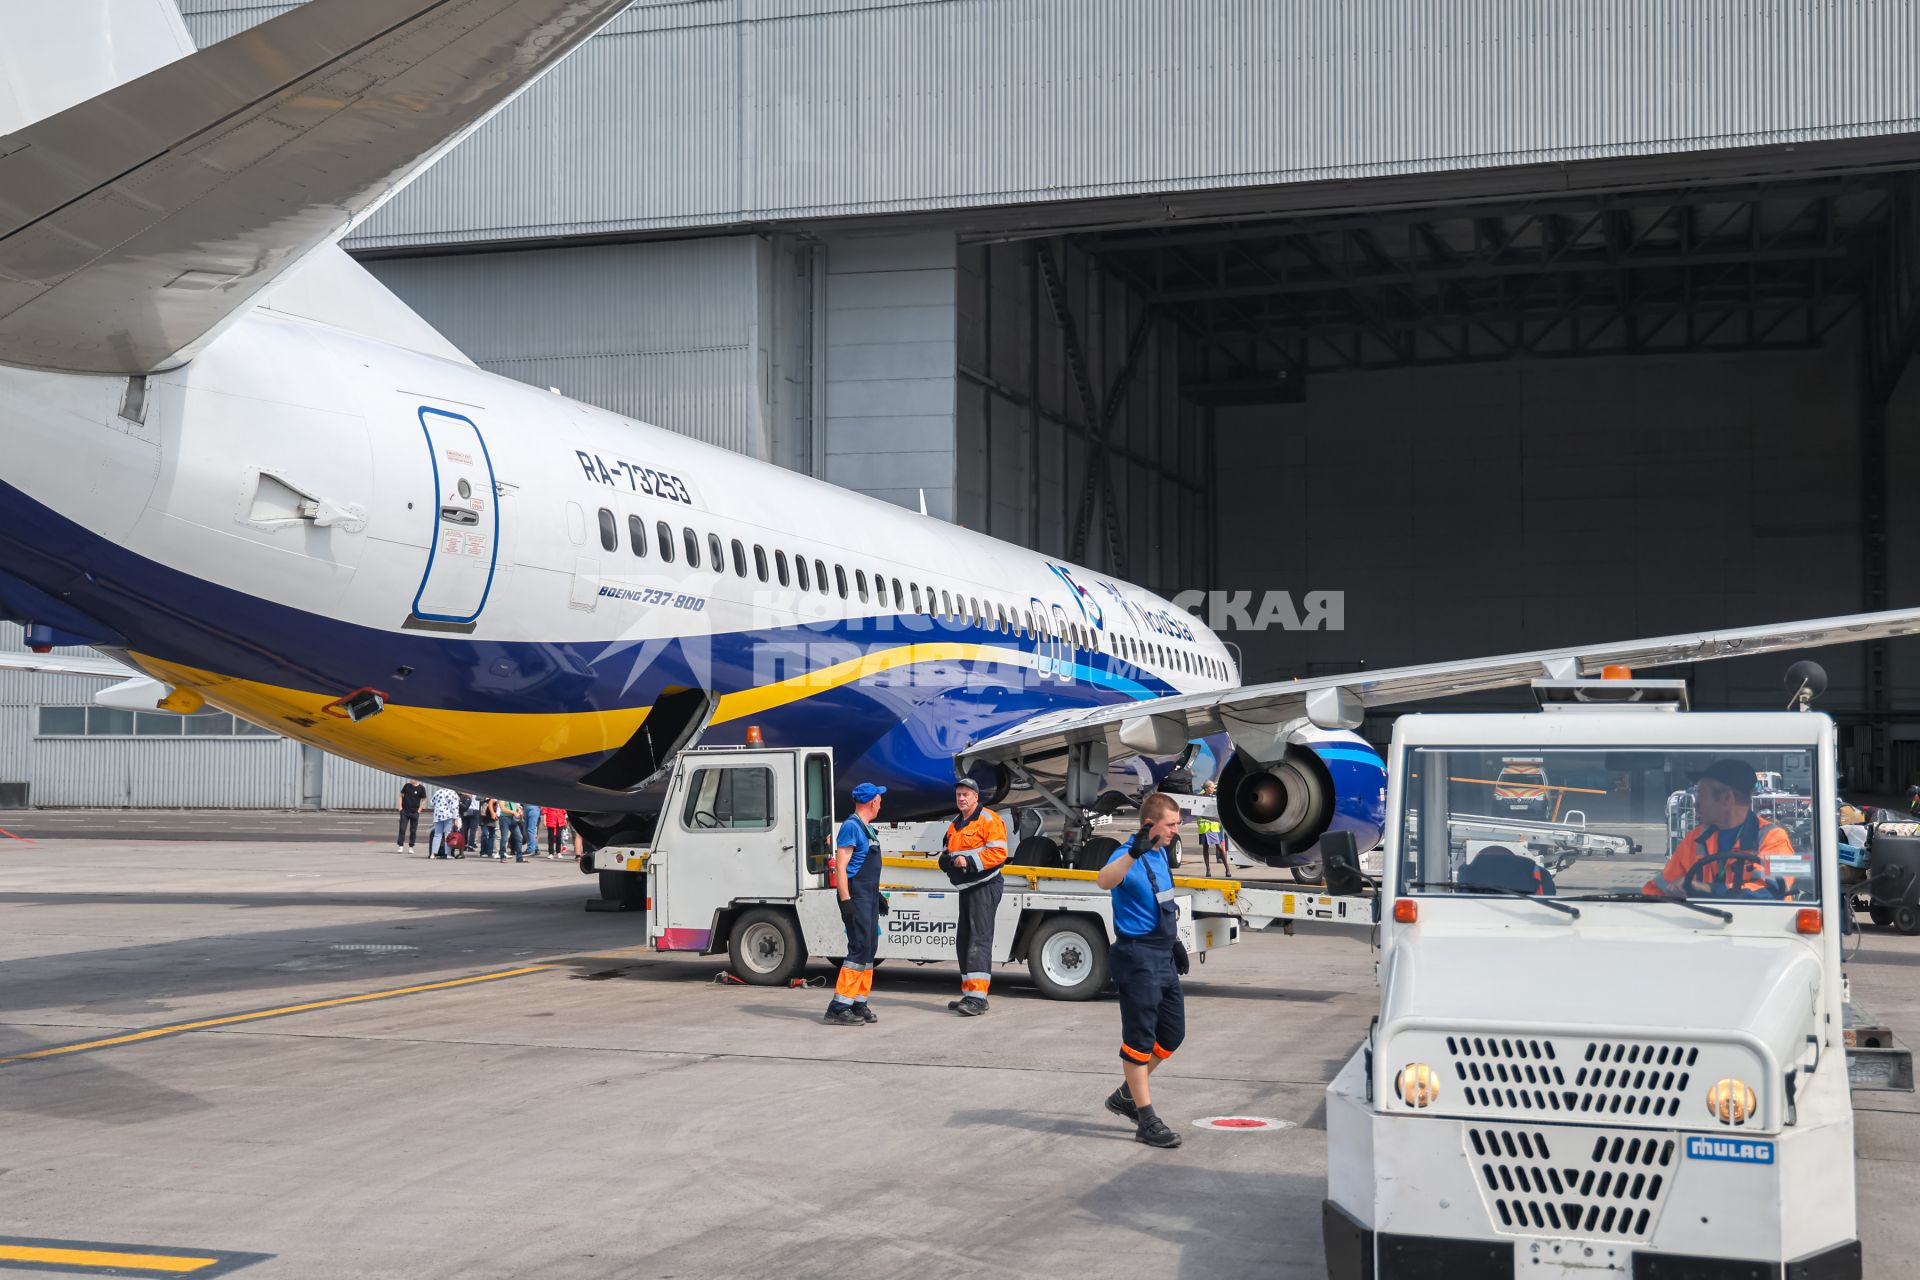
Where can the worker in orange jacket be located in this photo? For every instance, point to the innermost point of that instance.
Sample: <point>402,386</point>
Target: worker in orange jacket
<point>976,849</point>
<point>1735,840</point>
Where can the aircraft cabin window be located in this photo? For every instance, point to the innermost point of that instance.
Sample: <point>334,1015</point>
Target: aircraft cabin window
<point>760,562</point>
<point>840,582</point>
<point>879,589</point>
<point>899,596</point>
<point>740,560</point>
<point>693,547</point>
<point>780,566</point>
<point>609,531</point>
<point>800,568</point>
<point>859,582</point>
<point>716,554</point>
<point>637,534</point>
<point>820,578</point>
<point>663,538</point>
<point>946,605</point>
<point>916,596</point>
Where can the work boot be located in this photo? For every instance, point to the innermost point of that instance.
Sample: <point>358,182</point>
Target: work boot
<point>1154,1133</point>
<point>866,1012</point>
<point>1121,1105</point>
<point>842,1016</point>
<point>969,1006</point>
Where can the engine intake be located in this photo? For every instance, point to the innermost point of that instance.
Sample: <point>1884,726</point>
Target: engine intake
<point>1278,812</point>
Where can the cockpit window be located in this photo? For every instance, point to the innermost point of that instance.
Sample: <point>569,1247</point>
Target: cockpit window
<point>1737,824</point>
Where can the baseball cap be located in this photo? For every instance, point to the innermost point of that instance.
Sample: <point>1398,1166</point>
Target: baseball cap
<point>1735,775</point>
<point>968,783</point>
<point>867,791</point>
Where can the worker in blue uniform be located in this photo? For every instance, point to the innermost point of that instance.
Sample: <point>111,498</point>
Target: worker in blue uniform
<point>856,878</point>
<point>1145,961</point>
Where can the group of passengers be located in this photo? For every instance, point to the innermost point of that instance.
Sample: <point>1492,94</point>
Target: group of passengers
<point>494,828</point>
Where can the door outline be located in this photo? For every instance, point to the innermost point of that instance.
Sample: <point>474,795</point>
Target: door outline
<point>433,545</point>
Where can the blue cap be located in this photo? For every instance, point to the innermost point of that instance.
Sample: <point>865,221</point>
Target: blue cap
<point>867,791</point>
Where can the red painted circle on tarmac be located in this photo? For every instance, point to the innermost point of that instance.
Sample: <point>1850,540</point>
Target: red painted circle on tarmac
<point>1243,1124</point>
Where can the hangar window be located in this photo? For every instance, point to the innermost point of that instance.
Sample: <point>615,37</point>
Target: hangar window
<point>800,569</point>
<point>820,578</point>
<point>716,554</point>
<point>780,566</point>
<point>740,560</point>
<point>693,547</point>
<point>111,722</point>
<point>609,531</point>
<point>663,538</point>
<point>859,582</point>
<point>637,535</point>
<point>760,562</point>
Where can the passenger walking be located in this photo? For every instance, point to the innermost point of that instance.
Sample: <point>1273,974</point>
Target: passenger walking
<point>446,816</point>
<point>412,796</point>
<point>556,820</point>
<point>1145,962</point>
<point>470,819</point>
<point>490,845</point>
<point>976,848</point>
<point>856,875</point>
<point>512,829</point>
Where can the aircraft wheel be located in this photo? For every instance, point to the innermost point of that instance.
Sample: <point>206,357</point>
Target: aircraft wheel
<point>1882,916</point>
<point>629,888</point>
<point>1309,872</point>
<point>1095,853</point>
<point>1906,918</point>
<point>1038,851</point>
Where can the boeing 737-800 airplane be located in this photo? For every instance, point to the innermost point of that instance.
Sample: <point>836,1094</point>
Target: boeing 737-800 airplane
<point>238,465</point>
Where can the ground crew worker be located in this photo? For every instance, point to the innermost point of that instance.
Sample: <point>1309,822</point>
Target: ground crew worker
<point>856,875</point>
<point>976,848</point>
<point>1213,836</point>
<point>1143,964</point>
<point>1723,801</point>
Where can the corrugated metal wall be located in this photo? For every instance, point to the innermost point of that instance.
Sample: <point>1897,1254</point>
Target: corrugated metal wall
<point>1022,426</point>
<point>161,773</point>
<point>718,112</point>
<point>666,333</point>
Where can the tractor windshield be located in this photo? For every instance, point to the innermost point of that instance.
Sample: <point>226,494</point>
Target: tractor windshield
<point>1737,824</point>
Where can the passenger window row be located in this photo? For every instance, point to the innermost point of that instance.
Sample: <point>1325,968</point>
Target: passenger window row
<point>813,575</point>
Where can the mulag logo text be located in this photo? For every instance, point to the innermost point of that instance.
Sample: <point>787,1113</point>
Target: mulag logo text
<point>1742,1151</point>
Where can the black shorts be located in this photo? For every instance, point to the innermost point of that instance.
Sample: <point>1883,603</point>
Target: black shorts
<point>1153,1011</point>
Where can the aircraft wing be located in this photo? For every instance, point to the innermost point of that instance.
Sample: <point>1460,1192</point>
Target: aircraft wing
<point>134,224</point>
<point>1259,717</point>
<point>65,665</point>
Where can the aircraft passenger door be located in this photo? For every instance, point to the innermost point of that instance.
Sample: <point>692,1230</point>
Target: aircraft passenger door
<point>466,521</point>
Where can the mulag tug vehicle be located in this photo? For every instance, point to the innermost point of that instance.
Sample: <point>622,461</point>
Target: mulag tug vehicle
<point>1625,1066</point>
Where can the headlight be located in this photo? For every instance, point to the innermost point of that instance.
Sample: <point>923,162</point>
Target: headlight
<point>1731,1101</point>
<point>1418,1084</point>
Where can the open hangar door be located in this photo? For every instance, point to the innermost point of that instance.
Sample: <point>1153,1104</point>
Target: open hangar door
<point>1518,424</point>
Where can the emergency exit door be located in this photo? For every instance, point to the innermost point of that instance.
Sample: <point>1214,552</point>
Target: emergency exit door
<point>466,521</point>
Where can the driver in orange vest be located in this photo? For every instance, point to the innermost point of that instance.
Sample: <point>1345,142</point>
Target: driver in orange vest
<point>1723,801</point>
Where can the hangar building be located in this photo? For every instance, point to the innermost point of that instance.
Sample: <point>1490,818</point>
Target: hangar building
<point>1511,323</point>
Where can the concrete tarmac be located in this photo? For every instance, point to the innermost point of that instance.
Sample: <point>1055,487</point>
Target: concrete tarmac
<point>559,1102</point>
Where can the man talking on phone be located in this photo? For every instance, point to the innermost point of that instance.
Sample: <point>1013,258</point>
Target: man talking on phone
<point>1145,962</point>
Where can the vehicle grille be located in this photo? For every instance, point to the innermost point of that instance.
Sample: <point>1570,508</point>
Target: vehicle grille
<point>1574,1079</point>
<point>1539,1181</point>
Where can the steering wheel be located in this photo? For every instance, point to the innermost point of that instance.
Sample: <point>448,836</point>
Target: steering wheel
<point>704,818</point>
<point>1714,861</point>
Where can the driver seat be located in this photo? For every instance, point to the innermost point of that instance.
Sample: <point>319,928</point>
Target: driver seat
<point>1498,867</point>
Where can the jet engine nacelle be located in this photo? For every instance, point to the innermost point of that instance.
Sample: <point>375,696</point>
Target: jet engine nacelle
<point>1326,780</point>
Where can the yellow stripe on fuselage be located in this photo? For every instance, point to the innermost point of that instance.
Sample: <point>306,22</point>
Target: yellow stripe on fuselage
<point>434,742</point>
<point>418,741</point>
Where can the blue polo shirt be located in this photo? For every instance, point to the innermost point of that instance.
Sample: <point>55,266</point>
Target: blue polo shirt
<point>1136,899</point>
<point>853,835</point>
